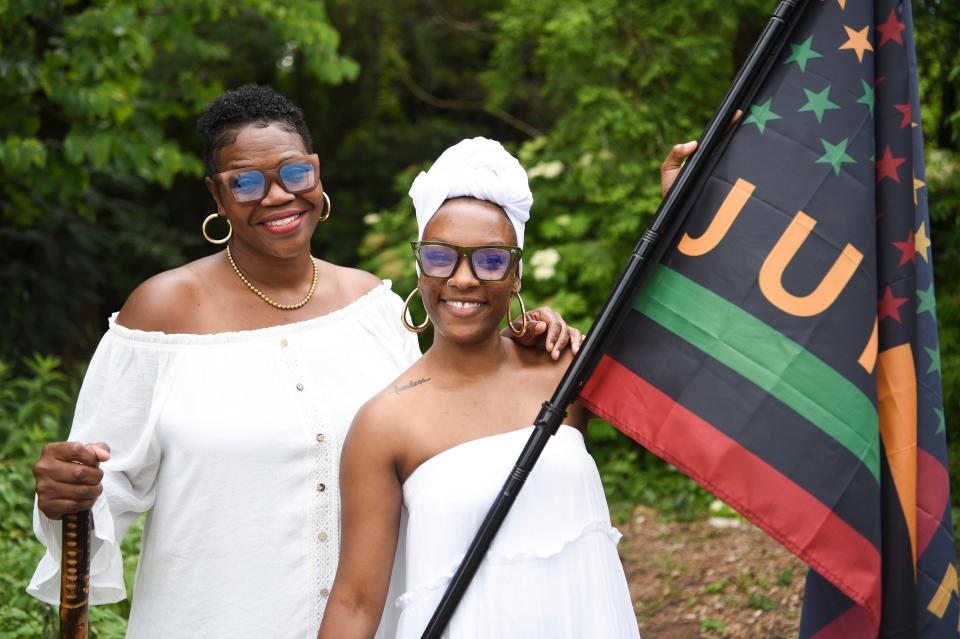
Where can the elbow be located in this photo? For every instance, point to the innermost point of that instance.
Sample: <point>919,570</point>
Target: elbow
<point>350,616</point>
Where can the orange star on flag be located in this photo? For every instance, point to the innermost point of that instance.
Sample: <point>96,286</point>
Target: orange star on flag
<point>921,242</point>
<point>917,185</point>
<point>858,41</point>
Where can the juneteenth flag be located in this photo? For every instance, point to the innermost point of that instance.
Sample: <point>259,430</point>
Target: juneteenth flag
<point>784,352</point>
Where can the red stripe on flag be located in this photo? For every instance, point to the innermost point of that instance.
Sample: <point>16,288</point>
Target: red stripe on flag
<point>750,485</point>
<point>933,493</point>
<point>853,624</point>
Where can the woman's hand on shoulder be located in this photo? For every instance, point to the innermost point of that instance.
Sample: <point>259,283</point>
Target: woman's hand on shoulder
<point>547,329</point>
<point>165,303</point>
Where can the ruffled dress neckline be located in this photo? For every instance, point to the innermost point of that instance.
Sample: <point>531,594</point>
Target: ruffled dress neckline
<point>354,308</point>
<point>553,569</point>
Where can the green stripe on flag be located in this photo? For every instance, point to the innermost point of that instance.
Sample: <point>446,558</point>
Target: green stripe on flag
<point>766,357</point>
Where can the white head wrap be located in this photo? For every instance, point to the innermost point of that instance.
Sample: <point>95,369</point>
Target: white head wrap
<point>478,168</point>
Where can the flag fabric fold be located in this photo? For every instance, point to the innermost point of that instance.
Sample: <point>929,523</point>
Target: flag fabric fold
<point>784,352</point>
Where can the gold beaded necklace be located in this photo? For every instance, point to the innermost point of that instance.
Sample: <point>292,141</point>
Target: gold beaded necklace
<point>282,307</point>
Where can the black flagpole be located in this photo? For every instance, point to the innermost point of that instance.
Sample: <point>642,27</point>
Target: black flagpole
<point>669,216</point>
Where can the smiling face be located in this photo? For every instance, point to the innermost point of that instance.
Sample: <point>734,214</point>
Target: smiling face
<point>463,308</point>
<point>281,224</point>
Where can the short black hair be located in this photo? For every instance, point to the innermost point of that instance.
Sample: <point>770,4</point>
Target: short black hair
<point>221,121</point>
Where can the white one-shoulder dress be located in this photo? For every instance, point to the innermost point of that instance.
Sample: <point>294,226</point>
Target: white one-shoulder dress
<point>553,569</point>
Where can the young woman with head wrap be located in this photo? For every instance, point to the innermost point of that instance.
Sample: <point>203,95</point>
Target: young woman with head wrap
<point>425,458</point>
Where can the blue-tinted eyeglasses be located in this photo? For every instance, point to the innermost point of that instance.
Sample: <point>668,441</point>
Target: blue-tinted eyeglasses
<point>489,263</point>
<point>249,186</point>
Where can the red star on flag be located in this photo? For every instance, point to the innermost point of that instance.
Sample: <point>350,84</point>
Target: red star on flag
<point>889,306</point>
<point>907,111</point>
<point>890,30</point>
<point>887,166</point>
<point>907,249</point>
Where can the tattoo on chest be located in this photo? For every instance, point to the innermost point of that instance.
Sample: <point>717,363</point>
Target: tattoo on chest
<point>413,382</point>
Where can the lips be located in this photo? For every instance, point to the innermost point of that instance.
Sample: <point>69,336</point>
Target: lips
<point>463,308</point>
<point>282,221</point>
<point>463,304</point>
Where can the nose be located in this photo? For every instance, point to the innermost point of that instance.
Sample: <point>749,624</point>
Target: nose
<point>276,195</point>
<point>462,276</point>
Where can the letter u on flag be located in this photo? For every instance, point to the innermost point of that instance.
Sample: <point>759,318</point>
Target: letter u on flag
<point>784,352</point>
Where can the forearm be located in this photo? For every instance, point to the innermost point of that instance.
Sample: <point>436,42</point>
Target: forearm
<point>349,618</point>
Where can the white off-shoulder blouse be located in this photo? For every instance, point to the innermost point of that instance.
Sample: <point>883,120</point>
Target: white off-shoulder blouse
<point>231,444</point>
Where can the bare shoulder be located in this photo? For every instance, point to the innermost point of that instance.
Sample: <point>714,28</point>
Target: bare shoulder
<point>356,283</point>
<point>165,301</point>
<point>577,414</point>
<point>375,427</point>
<point>545,372</point>
<point>396,406</point>
<point>537,361</point>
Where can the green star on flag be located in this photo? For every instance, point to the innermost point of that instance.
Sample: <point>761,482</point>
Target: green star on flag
<point>835,154</point>
<point>867,97</point>
<point>941,425</point>
<point>801,53</point>
<point>818,103</point>
<point>760,114</point>
<point>928,304</point>
<point>934,354</point>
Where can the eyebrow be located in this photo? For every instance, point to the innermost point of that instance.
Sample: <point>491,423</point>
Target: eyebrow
<point>493,243</point>
<point>257,166</point>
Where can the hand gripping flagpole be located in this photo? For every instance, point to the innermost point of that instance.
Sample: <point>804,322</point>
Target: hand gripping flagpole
<point>75,575</point>
<point>669,216</point>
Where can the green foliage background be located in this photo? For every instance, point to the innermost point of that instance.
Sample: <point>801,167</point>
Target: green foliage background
<point>100,174</point>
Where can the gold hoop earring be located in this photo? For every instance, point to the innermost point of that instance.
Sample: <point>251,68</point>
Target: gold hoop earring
<point>207,235</point>
<point>523,316</point>
<point>403,315</point>
<point>326,214</point>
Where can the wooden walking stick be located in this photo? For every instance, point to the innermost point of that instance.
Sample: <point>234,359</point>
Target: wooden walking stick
<point>75,575</point>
